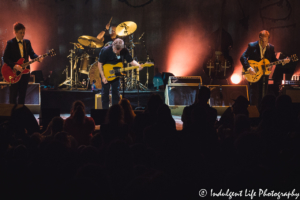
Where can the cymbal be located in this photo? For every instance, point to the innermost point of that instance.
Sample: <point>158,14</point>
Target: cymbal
<point>78,46</point>
<point>90,41</point>
<point>126,28</point>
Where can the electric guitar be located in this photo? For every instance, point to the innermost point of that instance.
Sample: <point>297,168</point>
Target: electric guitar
<point>261,66</point>
<point>13,76</point>
<point>111,72</point>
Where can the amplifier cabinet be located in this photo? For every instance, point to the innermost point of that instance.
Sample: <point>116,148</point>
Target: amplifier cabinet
<point>293,92</point>
<point>32,100</point>
<point>223,95</point>
<point>181,94</point>
<point>185,79</point>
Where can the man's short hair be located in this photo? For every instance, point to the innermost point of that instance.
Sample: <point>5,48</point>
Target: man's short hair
<point>264,33</point>
<point>118,43</point>
<point>18,26</point>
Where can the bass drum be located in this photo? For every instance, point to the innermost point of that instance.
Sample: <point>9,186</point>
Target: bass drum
<point>94,75</point>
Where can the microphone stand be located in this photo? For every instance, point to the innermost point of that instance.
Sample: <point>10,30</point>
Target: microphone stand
<point>148,60</point>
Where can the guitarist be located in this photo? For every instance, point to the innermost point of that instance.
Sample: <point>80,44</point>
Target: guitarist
<point>112,55</point>
<point>257,51</point>
<point>17,48</point>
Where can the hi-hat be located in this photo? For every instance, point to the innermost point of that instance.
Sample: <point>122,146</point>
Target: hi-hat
<point>78,46</point>
<point>90,41</point>
<point>126,28</point>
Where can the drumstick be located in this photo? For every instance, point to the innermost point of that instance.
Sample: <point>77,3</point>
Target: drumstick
<point>110,20</point>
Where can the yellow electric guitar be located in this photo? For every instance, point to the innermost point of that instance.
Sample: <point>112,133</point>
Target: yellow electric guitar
<point>264,64</point>
<point>111,72</point>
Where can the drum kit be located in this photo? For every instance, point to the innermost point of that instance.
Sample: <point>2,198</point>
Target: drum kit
<point>84,63</point>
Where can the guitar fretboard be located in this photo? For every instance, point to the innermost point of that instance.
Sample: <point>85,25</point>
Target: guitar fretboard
<point>275,63</point>
<point>34,60</point>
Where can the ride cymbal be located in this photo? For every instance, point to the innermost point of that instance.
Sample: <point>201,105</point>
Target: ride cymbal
<point>126,28</point>
<point>90,41</point>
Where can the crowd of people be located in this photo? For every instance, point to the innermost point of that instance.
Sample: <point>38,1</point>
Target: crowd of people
<point>143,156</point>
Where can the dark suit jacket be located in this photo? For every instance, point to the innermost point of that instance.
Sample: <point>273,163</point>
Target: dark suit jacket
<point>12,52</point>
<point>253,53</point>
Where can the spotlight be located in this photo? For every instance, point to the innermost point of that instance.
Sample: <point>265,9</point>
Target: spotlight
<point>236,79</point>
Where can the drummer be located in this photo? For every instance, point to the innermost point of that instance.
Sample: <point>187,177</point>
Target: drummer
<point>112,34</point>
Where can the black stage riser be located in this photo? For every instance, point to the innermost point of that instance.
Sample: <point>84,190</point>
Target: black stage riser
<point>63,99</point>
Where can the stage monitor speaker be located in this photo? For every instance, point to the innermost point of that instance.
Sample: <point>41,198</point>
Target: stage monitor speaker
<point>32,100</point>
<point>98,101</point>
<point>224,95</point>
<point>99,115</point>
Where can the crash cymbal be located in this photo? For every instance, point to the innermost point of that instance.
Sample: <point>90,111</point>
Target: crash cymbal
<point>90,41</point>
<point>126,28</point>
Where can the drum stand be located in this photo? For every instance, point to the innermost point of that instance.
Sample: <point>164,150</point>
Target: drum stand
<point>69,80</point>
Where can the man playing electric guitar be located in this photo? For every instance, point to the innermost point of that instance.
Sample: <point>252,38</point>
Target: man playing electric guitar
<point>257,51</point>
<point>112,55</point>
<point>17,48</point>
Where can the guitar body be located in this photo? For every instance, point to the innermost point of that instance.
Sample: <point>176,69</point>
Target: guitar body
<point>110,73</point>
<point>258,67</point>
<point>12,75</point>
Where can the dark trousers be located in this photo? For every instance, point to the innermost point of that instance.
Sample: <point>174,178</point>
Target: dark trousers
<point>19,89</point>
<point>115,86</point>
<point>256,91</point>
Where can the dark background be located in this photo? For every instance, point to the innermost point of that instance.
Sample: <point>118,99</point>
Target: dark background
<point>176,31</point>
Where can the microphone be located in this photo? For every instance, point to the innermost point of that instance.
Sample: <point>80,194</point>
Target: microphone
<point>141,36</point>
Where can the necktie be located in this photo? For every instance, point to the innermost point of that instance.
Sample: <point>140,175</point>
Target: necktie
<point>21,48</point>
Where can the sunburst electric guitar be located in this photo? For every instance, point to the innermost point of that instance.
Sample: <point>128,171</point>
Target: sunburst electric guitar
<point>13,76</point>
<point>261,66</point>
<point>111,72</point>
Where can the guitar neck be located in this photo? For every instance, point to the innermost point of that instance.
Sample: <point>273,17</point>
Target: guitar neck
<point>34,60</point>
<point>275,63</point>
<point>128,68</point>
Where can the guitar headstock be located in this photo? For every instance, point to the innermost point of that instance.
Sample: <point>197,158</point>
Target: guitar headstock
<point>294,58</point>
<point>51,52</point>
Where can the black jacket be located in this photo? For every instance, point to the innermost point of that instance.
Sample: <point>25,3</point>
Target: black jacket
<point>12,52</point>
<point>253,53</point>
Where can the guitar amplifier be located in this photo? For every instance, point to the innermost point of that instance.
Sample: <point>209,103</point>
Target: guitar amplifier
<point>32,100</point>
<point>179,95</point>
<point>185,79</point>
<point>223,95</point>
